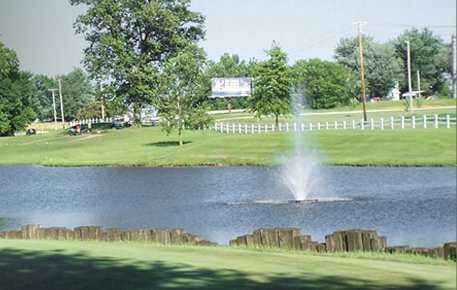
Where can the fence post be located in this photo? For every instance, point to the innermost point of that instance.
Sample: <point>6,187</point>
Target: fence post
<point>382,123</point>
<point>252,128</point>
<point>425,121</point>
<point>326,125</point>
<point>266,128</point>
<point>336,125</point>
<point>363,124</point>
<point>371,124</point>
<point>392,122</point>
<point>245,129</point>
<point>295,127</point>
<point>403,122</point>
<point>239,128</point>
<point>287,127</point>
<point>258,128</point>
<point>436,121</point>
<point>448,121</point>
<point>353,124</point>
<point>273,127</point>
<point>318,125</point>
<point>413,120</point>
<point>302,127</point>
<point>311,126</point>
<point>233,128</point>
<point>280,127</point>
<point>344,124</point>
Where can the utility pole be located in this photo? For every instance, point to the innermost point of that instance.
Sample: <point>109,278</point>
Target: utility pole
<point>419,83</point>
<point>454,65</point>
<point>102,100</point>
<point>54,104</point>
<point>61,103</point>
<point>362,69</point>
<point>410,89</point>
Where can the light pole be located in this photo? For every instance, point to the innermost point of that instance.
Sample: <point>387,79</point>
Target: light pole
<point>410,89</point>
<point>362,70</point>
<point>54,104</point>
<point>61,103</point>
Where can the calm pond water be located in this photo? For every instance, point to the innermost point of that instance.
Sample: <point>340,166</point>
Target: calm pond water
<point>415,206</point>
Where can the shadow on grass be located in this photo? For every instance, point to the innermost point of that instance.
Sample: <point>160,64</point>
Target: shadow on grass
<point>167,143</point>
<point>21,270</point>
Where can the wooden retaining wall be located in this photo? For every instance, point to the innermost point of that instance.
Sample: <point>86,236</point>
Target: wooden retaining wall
<point>95,233</point>
<point>339,241</point>
<point>281,238</point>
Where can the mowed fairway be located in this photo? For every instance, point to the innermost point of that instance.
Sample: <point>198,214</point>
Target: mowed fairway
<point>67,265</point>
<point>151,147</point>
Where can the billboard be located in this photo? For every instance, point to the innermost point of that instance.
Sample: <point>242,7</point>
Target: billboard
<point>230,87</point>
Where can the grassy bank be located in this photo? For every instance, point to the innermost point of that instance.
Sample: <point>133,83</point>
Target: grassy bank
<point>150,147</point>
<point>90,265</point>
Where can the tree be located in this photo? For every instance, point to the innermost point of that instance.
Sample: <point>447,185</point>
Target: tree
<point>182,82</point>
<point>429,55</point>
<point>325,84</point>
<point>16,92</point>
<point>77,93</point>
<point>382,66</point>
<point>272,86</point>
<point>131,40</point>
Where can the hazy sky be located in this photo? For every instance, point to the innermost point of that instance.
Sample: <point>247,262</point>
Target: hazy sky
<point>41,31</point>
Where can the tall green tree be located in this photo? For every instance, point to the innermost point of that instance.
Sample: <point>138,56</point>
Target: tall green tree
<point>382,66</point>
<point>324,84</point>
<point>272,86</point>
<point>429,55</point>
<point>77,92</point>
<point>16,94</point>
<point>182,82</point>
<point>131,40</point>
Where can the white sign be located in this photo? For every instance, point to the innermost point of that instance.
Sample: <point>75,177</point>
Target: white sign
<point>230,87</point>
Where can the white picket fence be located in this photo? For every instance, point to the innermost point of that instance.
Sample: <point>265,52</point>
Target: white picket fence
<point>391,123</point>
<point>91,121</point>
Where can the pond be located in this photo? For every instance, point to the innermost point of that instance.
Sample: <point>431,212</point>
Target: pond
<point>415,206</point>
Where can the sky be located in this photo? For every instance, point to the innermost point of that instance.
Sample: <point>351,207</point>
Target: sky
<point>41,31</point>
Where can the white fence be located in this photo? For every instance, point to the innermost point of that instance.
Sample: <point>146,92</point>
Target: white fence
<point>391,123</point>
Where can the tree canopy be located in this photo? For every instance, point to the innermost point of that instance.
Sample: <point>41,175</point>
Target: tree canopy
<point>131,40</point>
<point>382,66</point>
<point>429,55</point>
<point>324,84</point>
<point>181,83</point>
<point>272,85</point>
<point>16,94</point>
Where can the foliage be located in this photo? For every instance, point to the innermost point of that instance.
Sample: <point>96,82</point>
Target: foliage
<point>16,94</point>
<point>325,84</point>
<point>131,40</point>
<point>382,66</point>
<point>77,92</point>
<point>182,82</point>
<point>272,85</point>
<point>429,55</point>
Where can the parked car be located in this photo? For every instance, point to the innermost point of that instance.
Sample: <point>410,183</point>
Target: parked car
<point>121,122</point>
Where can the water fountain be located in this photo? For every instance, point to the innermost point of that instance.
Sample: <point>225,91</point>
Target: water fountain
<point>301,166</point>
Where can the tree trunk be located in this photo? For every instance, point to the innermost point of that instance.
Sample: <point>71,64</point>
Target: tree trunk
<point>276,121</point>
<point>180,134</point>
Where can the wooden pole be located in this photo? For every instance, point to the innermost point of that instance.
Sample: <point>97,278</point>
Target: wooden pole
<point>362,70</point>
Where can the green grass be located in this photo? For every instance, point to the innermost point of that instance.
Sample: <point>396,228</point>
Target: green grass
<point>46,265</point>
<point>150,147</point>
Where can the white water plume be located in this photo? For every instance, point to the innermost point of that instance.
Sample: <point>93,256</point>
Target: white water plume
<point>298,171</point>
